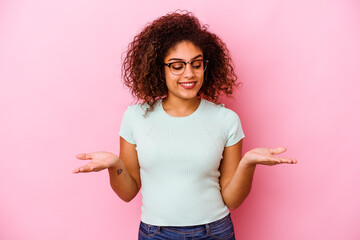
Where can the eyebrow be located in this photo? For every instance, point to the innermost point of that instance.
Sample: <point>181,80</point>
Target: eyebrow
<point>179,59</point>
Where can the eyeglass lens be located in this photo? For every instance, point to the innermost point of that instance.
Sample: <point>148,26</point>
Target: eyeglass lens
<point>179,67</point>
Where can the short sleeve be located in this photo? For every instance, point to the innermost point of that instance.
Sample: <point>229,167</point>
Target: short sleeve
<point>126,128</point>
<point>234,131</point>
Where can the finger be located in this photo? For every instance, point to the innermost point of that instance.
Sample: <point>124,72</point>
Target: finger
<point>86,168</point>
<point>85,156</point>
<point>277,150</point>
<point>292,161</point>
<point>275,160</point>
<point>271,162</point>
<point>287,160</point>
<point>77,170</point>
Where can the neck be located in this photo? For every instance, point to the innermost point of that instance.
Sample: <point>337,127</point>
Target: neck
<point>180,107</point>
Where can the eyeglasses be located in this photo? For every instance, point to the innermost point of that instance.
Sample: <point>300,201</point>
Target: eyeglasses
<point>178,68</point>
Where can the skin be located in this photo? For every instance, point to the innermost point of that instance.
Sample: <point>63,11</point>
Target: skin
<point>236,171</point>
<point>181,102</point>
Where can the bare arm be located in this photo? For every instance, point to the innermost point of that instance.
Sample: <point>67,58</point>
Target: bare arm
<point>124,172</point>
<point>237,175</point>
<point>234,194</point>
<point>125,175</point>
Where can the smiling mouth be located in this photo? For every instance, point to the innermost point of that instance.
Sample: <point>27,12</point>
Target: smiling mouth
<point>187,85</point>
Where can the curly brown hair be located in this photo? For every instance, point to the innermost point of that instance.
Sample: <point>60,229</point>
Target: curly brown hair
<point>143,69</point>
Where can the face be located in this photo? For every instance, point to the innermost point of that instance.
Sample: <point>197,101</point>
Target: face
<point>186,85</point>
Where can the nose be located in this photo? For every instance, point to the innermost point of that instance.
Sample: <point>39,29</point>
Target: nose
<point>189,71</point>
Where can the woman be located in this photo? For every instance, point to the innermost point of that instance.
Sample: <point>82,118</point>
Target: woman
<point>178,145</point>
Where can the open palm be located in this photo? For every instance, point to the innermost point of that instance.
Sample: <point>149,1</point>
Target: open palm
<point>99,161</point>
<point>266,156</point>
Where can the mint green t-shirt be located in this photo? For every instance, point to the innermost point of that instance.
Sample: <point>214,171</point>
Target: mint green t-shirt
<point>179,160</point>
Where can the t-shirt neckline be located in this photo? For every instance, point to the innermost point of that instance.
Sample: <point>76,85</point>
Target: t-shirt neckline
<point>192,115</point>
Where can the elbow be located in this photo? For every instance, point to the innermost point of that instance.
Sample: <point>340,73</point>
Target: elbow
<point>234,202</point>
<point>233,206</point>
<point>127,199</point>
<point>125,196</point>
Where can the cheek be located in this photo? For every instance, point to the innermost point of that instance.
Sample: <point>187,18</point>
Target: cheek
<point>170,78</point>
<point>202,78</point>
<point>167,76</point>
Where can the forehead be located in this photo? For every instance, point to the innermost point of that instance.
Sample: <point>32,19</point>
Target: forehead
<point>184,50</point>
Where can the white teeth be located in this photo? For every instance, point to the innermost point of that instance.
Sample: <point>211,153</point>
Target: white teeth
<point>187,84</point>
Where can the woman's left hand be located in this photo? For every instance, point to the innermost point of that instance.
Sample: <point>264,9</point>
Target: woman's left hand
<point>265,156</point>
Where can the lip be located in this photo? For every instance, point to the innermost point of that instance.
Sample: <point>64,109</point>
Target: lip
<point>187,85</point>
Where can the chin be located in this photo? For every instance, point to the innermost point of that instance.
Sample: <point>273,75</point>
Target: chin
<point>188,96</point>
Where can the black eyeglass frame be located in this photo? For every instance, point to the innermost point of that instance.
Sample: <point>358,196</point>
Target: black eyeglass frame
<point>185,63</point>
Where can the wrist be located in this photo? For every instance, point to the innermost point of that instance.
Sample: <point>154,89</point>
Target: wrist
<point>246,163</point>
<point>115,164</point>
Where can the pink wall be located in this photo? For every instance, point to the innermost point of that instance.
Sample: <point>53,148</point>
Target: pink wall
<point>61,94</point>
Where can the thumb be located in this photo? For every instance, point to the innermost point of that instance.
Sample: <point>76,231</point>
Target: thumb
<point>277,150</point>
<point>84,156</point>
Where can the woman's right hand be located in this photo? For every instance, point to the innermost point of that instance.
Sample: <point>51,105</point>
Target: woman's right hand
<point>99,161</point>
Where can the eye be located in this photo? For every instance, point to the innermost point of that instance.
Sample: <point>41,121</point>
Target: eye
<point>197,64</point>
<point>177,65</point>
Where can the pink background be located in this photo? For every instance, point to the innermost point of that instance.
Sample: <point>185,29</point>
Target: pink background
<point>61,94</point>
